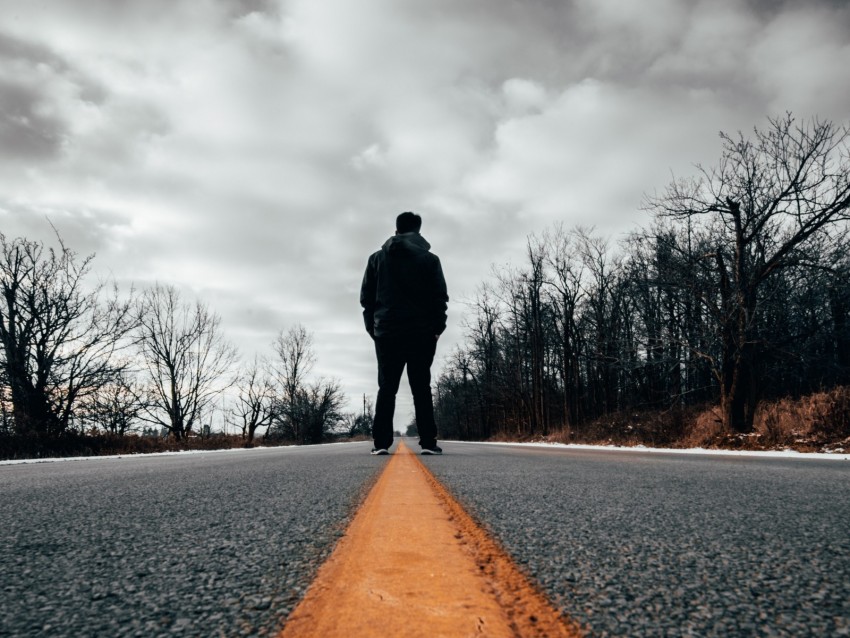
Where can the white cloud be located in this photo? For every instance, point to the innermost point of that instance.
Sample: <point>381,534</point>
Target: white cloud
<point>256,152</point>
<point>523,95</point>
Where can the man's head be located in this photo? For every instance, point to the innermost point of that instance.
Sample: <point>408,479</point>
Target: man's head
<point>408,222</point>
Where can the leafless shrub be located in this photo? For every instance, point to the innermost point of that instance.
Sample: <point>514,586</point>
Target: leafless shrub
<point>705,429</point>
<point>815,419</point>
<point>186,357</point>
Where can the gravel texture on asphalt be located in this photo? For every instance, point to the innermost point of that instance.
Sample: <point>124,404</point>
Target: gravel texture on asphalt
<point>634,544</point>
<point>219,544</point>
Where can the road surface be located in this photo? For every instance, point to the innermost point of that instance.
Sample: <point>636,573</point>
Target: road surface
<point>628,544</point>
<point>216,544</point>
<point>634,544</point>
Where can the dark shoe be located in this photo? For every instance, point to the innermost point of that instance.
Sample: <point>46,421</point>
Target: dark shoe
<point>379,451</point>
<point>433,449</point>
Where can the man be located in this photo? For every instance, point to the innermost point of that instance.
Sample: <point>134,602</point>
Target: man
<point>404,303</point>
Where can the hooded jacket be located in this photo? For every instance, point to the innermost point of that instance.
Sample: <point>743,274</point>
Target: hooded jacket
<point>404,291</point>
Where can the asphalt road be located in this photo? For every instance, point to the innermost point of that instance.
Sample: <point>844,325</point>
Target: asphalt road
<point>634,544</point>
<point>216,544</point>
<point>630,544</point>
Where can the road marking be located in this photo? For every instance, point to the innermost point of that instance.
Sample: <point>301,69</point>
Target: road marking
<point>413,563</point>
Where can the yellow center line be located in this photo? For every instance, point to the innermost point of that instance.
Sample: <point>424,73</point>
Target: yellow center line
<point>413,563</point>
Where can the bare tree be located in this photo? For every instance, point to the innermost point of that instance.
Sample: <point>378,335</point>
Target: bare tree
<point>765,202</point>
<point>59,337</point>
<point>839,305</point>
<point>321,410</point>
<point>359,423</point>
<point>534,280</point>
<point>295,358</point>
<point>603,292</point>
<point>7,423</point>
<point>186,357</point>
<point>737,291</point>
<point>511,293</point>
<point>485,360</point>
<point>568,270</point>
<point>304,411</point>
<point>254,403</point>
<point>116,406</point>
<point>294,361</point>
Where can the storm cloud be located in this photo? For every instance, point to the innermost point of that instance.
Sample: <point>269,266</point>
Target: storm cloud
<point>255,153</point>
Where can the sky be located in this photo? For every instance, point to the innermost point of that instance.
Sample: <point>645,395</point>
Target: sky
<point>253,153</point>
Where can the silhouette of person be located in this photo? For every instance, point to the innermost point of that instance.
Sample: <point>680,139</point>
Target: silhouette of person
<point>404,303</point>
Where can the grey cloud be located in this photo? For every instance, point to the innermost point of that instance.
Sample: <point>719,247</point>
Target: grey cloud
<point>29,57</point>
<point>26,134</point>
<point>769,8</point>
<point>86,231</point>
<point>12,48</point>
<point>796,61</point>
<point>255,152</point>
<point>239,8</point>
<point>35,83</point>
<point>25,131</point>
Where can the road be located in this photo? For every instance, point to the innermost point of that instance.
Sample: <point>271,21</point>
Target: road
<point>630,544</point>
<point>634,544</point>
<point>217,544</point>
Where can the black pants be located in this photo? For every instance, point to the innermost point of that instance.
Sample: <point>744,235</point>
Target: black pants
<point>417,353</point>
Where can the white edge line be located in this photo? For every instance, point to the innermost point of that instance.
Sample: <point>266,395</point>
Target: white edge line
<point>782,454</point>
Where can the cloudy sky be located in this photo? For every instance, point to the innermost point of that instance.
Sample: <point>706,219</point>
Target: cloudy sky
<point>253,153</point>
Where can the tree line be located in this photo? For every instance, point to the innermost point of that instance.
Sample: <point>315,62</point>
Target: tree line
<point>81,358</point>
<point>736,291</point>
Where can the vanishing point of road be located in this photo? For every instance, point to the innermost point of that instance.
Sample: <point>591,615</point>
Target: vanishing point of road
<point>620,543</point>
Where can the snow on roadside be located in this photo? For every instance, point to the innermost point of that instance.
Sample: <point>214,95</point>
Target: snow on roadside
<point>783,454</point>
<point>149,454</point>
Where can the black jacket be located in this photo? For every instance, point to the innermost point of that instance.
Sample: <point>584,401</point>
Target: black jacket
<point>404,291</point>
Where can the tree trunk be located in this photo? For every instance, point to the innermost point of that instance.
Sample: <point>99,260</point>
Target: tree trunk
<point>738,397</point>
<point>29,411</point>
<point>841,331</point>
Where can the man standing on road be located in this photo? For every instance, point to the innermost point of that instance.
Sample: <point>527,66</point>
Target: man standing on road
<point>404,303</point>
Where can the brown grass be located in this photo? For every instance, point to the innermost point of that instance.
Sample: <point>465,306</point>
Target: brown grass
<point>816,423</point>
<point>34,447</point>
<point>657,428</point>
<point>817,420</point>
<point>13,447</point>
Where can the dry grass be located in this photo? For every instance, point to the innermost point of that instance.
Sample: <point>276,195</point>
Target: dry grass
<point>704,429</point>
<point>13,447</point>
<point>34,447</point>
<point>658,428</point>
<point>818,420</point>
<point>816,423</point>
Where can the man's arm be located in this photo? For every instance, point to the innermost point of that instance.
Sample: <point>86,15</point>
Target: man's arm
<point>368,290</point>
<point>441,298</point>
